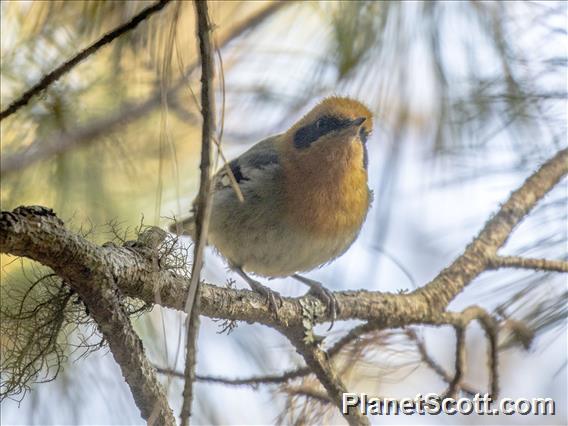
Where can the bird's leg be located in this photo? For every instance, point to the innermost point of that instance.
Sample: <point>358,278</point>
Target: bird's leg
<point>326,296</point>
<point>274,298</point>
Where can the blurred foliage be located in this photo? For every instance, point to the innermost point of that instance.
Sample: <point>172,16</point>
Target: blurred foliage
<point>408,60</point>
<point>356,28</point>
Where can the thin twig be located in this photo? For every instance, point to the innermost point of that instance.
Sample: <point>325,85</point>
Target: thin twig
<point>62,69</point>
<point>459,369</point>
<point>497,262</point>
<point>434,365</point>
<point>491,328</point>
<point>230,174</point>
<point>192,328</point>
<point>249,381</point>
<point>308,392</point>
<point>275,379</point>
<point>203,205</point>
<point>493,361</point>
<point>460,321</point>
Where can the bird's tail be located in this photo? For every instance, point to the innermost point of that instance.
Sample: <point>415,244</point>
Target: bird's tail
<point>184,227</point>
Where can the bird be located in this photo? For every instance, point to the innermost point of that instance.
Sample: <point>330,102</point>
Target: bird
<point>305,197</point>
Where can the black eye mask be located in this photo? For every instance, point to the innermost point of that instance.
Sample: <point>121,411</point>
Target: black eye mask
<point>310,133</point>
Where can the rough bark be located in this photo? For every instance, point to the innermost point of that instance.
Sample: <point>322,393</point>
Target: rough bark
<point>35,232</point>
<point>100,274</point>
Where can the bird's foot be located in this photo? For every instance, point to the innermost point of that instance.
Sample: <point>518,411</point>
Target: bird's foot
<point>273,297</point>
<point>323,294</point>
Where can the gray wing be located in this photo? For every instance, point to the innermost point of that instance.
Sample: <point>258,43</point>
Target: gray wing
<point>257,173</point>
<point>252,170</point>
<point>242,230</point>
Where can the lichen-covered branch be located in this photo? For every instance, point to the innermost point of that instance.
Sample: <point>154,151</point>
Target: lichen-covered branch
<point>103,273</point>
<point>36,233</point>
<point>137,277</point>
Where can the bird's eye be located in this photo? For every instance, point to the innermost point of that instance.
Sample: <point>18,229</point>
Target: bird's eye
<point>320,123</point>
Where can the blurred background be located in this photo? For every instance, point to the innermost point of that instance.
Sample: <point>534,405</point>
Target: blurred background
<point>469,98</point>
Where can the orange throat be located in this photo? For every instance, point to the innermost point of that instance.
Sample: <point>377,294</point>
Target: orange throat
<point>327,194</point>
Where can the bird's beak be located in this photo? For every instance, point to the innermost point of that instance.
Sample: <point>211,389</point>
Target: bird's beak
<point>357,122</point>
<point>351,127</point>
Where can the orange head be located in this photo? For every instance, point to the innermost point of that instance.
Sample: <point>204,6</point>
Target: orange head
<point>336,128</point>
<point>324,161</point>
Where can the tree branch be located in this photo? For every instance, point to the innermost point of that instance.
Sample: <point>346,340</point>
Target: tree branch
<point>45,148</point>
<point>460,321</point>
<point>137,277</point>
<point>478,254</point>
<point>497,262</point>
<point>67,66</point>
<point>274,379</point>
<point>383,309</point>
<point>36,233</point>
<point>93,280</point>
<point>318,362</point>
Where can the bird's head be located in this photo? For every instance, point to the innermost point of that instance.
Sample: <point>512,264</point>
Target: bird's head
<point>335,128</point>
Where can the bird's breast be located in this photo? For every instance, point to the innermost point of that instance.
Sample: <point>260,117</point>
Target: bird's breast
<point>329,197</point>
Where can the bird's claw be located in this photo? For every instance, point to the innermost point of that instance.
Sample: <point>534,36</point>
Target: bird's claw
<point>273,297</point>
<point>327,298</point>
